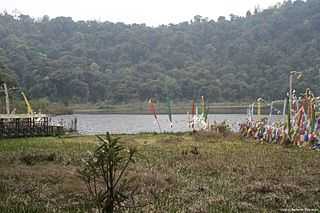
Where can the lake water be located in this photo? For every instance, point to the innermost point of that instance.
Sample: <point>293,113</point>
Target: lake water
<point>127,123</point>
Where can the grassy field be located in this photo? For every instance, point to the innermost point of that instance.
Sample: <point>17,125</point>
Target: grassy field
<point>174,173</point>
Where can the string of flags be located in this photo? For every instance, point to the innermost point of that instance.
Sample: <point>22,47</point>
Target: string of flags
<point>169,111</point>
<point>152,109</point>
<point>197,120</point>
<point>300,123</point>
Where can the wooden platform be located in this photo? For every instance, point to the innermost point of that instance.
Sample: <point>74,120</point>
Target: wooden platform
<point>25,125</point>
<point>17,116</point>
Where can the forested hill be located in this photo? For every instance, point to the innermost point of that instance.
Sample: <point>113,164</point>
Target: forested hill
<point>233,58</point>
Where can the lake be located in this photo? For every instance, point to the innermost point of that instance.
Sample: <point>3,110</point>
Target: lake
<point>136,123</point>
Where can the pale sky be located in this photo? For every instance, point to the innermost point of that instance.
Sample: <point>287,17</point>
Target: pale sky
<point>150,12</point>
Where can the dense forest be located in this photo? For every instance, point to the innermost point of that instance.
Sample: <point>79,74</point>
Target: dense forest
<point>229,59</point>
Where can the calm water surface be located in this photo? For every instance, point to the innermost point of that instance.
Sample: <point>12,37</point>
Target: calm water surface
<point>120,123</point>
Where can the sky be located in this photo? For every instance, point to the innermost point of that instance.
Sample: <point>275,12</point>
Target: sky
<point>149,12</point>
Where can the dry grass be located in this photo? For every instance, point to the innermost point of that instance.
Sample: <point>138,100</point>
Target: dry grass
<point>174,173</point>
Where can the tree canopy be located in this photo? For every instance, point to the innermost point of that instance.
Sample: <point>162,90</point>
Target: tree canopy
<point>232,59</point>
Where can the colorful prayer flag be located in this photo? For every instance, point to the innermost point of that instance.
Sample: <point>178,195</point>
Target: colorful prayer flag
<point>169,111</point>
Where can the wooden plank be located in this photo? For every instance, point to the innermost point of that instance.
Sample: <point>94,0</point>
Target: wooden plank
<point>13,116</point>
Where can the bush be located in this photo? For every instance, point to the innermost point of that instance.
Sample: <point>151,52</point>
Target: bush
<point>103,173</point>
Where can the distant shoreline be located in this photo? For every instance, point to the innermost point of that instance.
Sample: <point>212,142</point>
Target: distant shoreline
<point>142,113</point>
<point>240,111</point>
<point>179,108</point>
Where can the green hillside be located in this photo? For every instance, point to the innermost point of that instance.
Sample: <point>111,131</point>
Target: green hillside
<point>230,59</point>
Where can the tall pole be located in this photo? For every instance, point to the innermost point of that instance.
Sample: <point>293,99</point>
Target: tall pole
<point>7,98</point>
<point>290,92</point>
<point>284,109</point>
<point>290,103</point>
<point>270,113</point>
<point>259,100</point>
<point>259,110</point>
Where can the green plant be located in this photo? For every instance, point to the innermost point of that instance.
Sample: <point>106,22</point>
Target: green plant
<point>103,173</point>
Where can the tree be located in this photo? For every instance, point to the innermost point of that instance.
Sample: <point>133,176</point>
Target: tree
<point>90,61</point>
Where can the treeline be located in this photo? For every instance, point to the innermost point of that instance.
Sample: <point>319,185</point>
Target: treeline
<point>231,59</point>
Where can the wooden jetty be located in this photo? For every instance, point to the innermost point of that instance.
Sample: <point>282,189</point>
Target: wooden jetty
<point>26,125</point>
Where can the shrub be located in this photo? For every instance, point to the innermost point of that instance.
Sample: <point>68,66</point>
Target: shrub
<point>103,173</point>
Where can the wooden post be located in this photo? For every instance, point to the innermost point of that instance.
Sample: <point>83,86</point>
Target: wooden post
<point>75,124</point>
